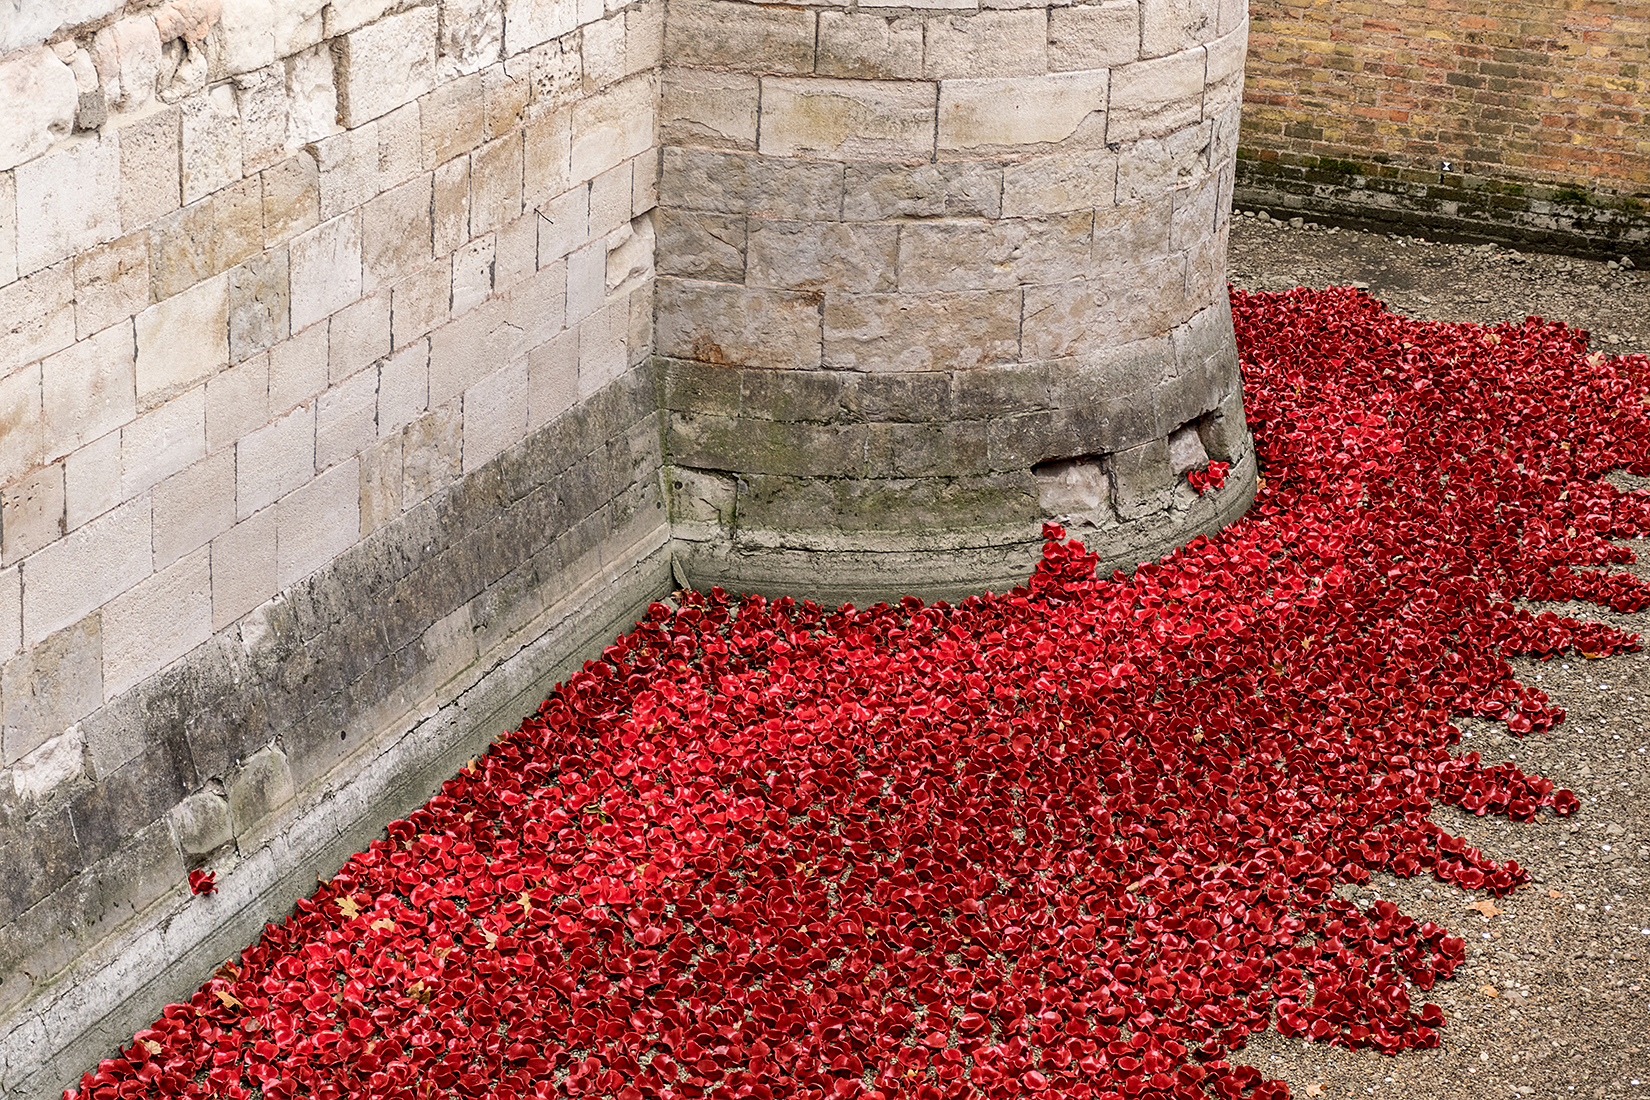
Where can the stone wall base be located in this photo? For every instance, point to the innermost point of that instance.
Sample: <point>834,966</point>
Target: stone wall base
<point>1445,205</point>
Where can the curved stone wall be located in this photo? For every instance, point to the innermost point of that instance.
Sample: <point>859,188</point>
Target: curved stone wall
<point>928,277</point>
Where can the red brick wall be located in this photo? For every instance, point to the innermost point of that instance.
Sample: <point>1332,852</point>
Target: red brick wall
<point>1546,91</point>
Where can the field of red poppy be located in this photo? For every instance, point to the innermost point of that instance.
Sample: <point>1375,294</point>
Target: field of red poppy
<point>1082,838</point>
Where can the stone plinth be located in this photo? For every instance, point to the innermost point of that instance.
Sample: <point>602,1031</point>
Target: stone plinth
<point>928,279</point>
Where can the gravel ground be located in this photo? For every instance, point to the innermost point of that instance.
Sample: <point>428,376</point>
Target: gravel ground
<point>1554,999</point>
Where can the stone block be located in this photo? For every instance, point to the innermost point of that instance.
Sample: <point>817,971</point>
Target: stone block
<point>1223,82</point>
<point>710,108</point>
<point>127,56</point>
<point>403,388</point>
<point>471,37</point>
<point>552,379</point>
<point>467,348</point>
<point>1170,26</point>
<point>82,571</point>
<point>211,142</point>
<point>954,189</point>
<point>150,165</point>
<point>527,23</point>
<point>601,45</point>
<point>312,97</point>
<point>911,398</point>
<point>548,156</point>
<point>495,183</point>
<point>1186,451</point>
<point>182,340</point>
<point>37,317</point>
<point>1132,233</point>
<point>8,227</point>
<point>994,255</point>
<point>317,522</point>
<point>420,302</point>
<point>1113,308</point>
<point>41,98</point>
<point>205,238</point>
<point>87,390</point>
<point>563,224</point>
<point>586,281</point>
<point>163,441</point>
<point>1142,480</point>
<point>630,251</point>
<point>1093,36</point>
<point>243,568</point>
<point>68,201</point>
<point>358,336</point>
<point>431,453</point>
<point>49,687</point>
<point>811,396</point>
<point>31,513</point>
<point>346,419</point>
<point>260,302</point>
<point>701,246</point>
<point>58,761</point>
<point>791,255</point>
<point>554,73</point>
<point>384,64</point>
<point>297,369</point>
<point>1193,219</point>
<point>11,612</point>
<point>506,99</point>
<point>380,484</point>
<point>274,461</point>
<point>291,198</point>
<point>721,34</point>
<point>516,251</point>
<point>21,438</point>
<point>495,414</point>
<point>847,119</point>
<point>157,621</point>
<point>472,274</point>
<point>91,480</point>
<point>869,46</point>
<point>1002,43</point>
<point>450,205</point>
<point>737,183</point>
<point>253,33</point>
<point>1080,180</point>
<point>111,283</point>
<point>265,117</point>
<point>719,323</point>
<point>326,269</point>
<point>1156,165</point>
<point>1157,97</point>
<point>1011,113</point>
<point>911,332</point>
<point>258,788</point>
<point>602,357</point>
<point>450,118</point>
<point>201,823</point>
<point>614,125</point>
<point>644,36</point>
<point>396,233</point>
<point>237,403</point>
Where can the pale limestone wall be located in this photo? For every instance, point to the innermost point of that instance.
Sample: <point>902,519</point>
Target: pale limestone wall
<point>931,274</point>
<point>327,438</point>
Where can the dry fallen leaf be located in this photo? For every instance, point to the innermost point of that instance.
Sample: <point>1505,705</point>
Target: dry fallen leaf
<point>1315,1089</point>
<point>382,924</point>
<point>348,907</point>
<point>229,999</point>
<point>1554,894</point>
<point>1486,907</point>
<point>1489,991</point>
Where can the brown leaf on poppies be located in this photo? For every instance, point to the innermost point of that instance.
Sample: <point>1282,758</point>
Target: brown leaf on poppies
<point>229,999</point>
<point>348,907</point>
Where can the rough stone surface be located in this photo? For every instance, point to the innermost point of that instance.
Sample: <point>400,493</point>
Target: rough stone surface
<point>41,97</point>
